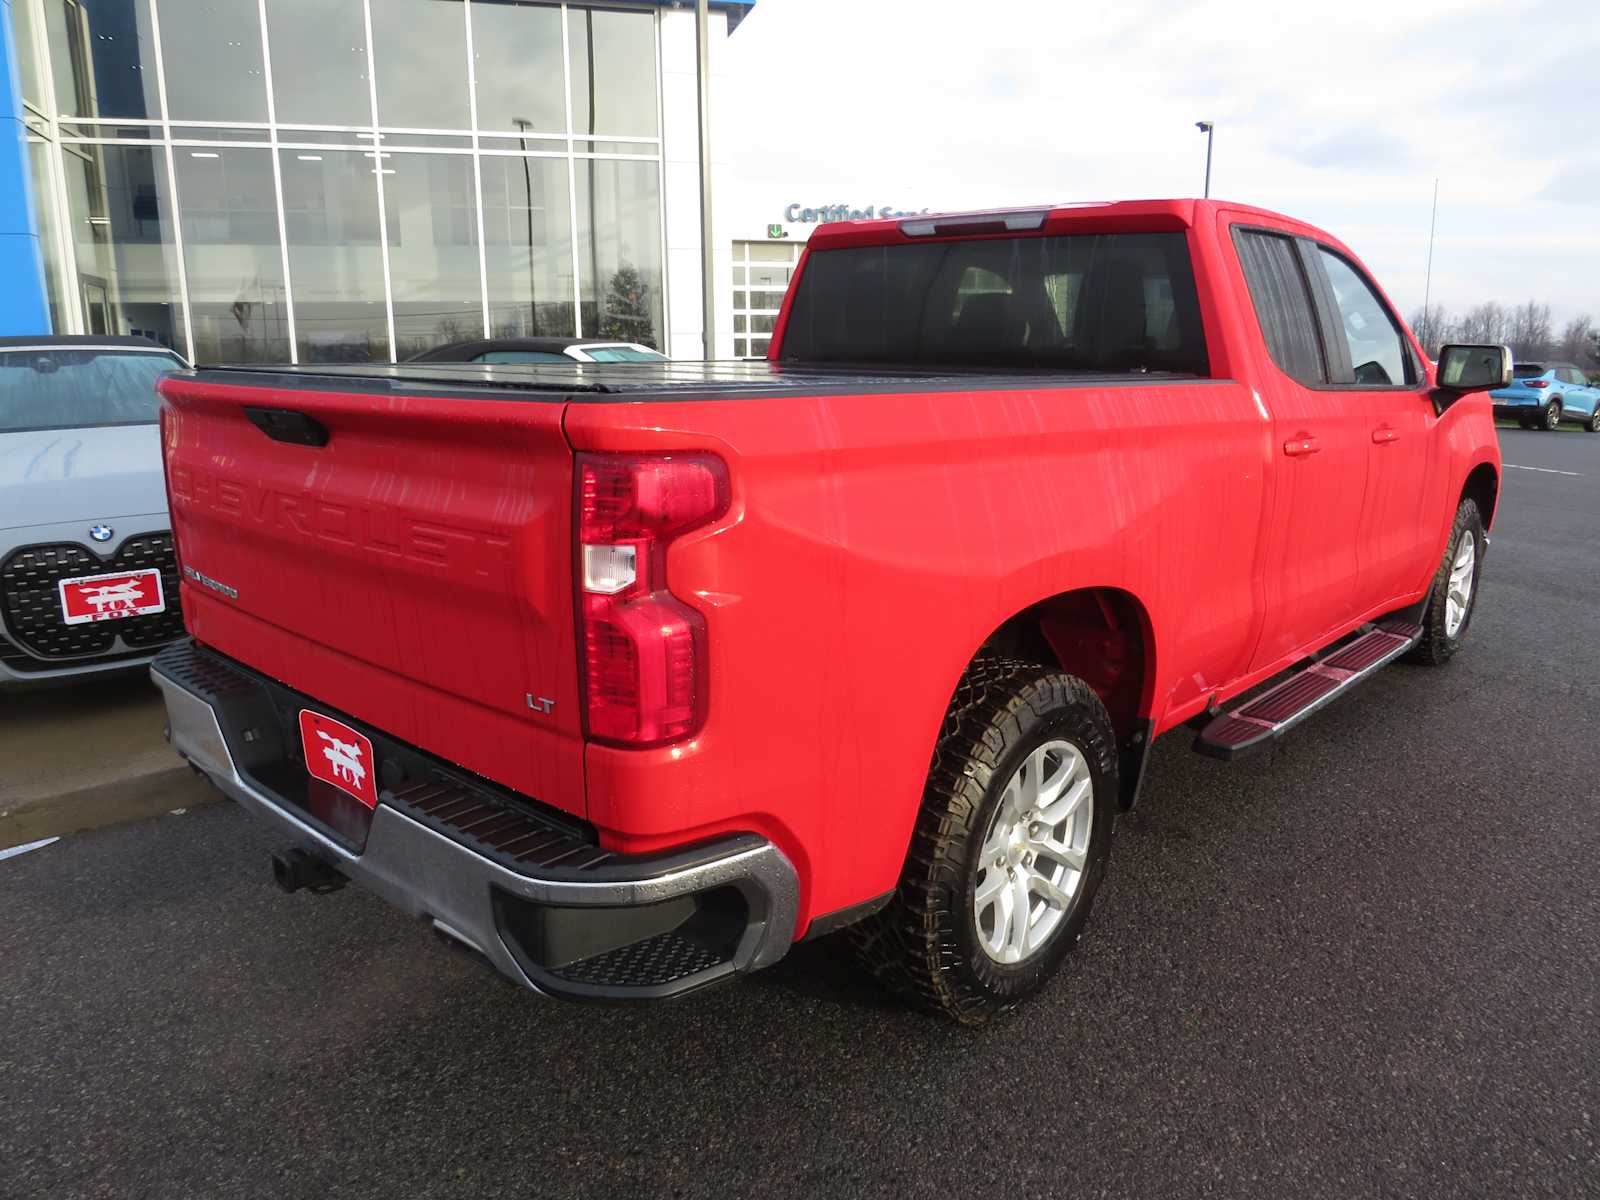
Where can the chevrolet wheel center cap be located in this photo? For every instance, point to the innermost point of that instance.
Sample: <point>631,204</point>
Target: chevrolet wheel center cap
<point>101,533</point>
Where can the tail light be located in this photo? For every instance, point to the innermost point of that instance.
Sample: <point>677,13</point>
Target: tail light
<point>644,649</point>
<point>1536,383</point>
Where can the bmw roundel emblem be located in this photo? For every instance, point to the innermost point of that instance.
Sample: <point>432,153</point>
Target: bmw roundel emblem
<point>101,533</point>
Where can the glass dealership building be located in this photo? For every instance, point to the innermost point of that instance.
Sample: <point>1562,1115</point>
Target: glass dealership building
<point>345,180</point>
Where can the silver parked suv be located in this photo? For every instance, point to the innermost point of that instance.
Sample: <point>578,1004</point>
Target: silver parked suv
<point>88,579</point>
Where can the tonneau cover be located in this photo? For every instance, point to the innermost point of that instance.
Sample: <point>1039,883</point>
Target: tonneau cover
<point>681,380</point>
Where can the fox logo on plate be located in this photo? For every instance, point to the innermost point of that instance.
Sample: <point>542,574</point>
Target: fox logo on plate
<point>110,597</point>
<point>339,755</point>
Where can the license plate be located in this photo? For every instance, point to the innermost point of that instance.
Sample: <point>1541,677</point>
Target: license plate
<point>111,597</point>
<point>339,755</point>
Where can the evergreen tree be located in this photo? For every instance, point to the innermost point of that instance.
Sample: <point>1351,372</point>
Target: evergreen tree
<point>627,309</point>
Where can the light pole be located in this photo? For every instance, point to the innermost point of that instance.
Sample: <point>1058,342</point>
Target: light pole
<point>523,125</point>
<point>1207,128</point>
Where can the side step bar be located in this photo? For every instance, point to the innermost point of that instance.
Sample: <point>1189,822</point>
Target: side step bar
<point>1285,705</point>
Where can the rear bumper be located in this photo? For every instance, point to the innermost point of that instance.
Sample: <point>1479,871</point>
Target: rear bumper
<point>576,921</point>
<point>1525,402</point>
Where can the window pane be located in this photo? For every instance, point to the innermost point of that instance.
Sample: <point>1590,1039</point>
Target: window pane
<point>102,53</point>
<point>623,354</point>
<point>32,85</point>
<point>211,50</point>
<point>613,57</point>
<point>231,256</point>
<point>330,203</point>
<point>777,277</point>
<point>521,356</point>
<point>771,301</point>
<point>738,322</point>
<point>420,48</point>
<point>619,250</point>
<point>1375,351</point>
<point>78,389</point>
<point>741,348</point>
<point>1282,302</point>
<point>528,239</point>
<point>1097,302</point>
<point>319,62</point>
<point>127,271</point>
<point>767,252</point>
<point>55,275</point>
<point>517,53</point>
<point>433,250</point>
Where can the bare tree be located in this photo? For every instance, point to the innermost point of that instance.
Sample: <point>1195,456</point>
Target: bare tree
<point>1433,328</point>
<point>1578,341</point>
<point>1529,333</point>
<point>1485,325</point>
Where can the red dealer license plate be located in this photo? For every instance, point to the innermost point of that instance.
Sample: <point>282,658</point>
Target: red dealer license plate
<point>339,755</point>
<point>111,597</point>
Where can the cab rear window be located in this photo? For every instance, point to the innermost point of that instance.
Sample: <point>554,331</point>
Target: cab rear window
<point>1093,302</point>
<point>1526,371</point>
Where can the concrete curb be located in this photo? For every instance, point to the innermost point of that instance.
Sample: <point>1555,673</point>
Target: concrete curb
<point>115,802</point>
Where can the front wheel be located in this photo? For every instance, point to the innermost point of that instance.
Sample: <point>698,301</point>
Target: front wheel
<point>1552,415</point>
<point>1593,423</point>
<point>1009,846</point>
<point>1454,594</point>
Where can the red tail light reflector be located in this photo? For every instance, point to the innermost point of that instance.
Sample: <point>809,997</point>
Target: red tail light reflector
<point>644,649</point>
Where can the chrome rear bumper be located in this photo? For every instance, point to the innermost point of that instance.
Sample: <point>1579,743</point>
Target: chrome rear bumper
<point>701,914</point>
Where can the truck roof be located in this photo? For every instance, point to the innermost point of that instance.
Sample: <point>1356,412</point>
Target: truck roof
<point>602,382</point>
<point>1085,216</point>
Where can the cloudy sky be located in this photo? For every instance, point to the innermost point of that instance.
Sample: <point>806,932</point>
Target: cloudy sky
<point>1339,113</point>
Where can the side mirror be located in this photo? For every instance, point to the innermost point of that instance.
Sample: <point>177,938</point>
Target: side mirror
<point>1474,368</point>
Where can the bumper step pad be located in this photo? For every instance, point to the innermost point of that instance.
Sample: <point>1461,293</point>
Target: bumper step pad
<point>1283,706</point>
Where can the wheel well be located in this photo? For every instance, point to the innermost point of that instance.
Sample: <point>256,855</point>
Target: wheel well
<point>1101,635</point>
<point>1482,487</point>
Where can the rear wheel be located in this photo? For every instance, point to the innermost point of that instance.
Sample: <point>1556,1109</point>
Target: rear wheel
<point>1552,415</point>
<point>1454,594</point>
<point>1009,847</point>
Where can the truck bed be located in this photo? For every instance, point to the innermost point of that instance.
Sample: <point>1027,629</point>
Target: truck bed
<point>599,382</point>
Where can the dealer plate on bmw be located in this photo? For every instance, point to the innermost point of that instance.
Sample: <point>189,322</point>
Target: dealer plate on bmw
<point>111,597</point>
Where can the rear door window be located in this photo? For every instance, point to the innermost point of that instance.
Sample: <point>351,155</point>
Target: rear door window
<point>1092,302</point>
<point>1281,295</point>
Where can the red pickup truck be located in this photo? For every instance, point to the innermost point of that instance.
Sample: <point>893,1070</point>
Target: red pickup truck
<point>624,678</point>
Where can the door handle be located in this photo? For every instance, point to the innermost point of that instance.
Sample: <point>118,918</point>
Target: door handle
<point>1303,444</point>
<point>1384,434</point>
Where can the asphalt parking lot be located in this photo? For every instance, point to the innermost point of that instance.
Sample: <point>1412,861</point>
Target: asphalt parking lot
<point>1364,964</point>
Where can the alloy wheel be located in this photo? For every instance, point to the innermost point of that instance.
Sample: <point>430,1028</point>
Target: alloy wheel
<point>1035,853</point>
<point>1458,599</point>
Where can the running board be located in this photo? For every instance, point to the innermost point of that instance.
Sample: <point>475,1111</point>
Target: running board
<point>1281,708</point>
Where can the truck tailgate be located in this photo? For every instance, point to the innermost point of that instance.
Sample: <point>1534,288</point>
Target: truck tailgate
<point>414,570</point>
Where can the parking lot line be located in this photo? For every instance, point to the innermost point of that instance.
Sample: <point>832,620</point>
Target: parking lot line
<point>1543,470</point>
